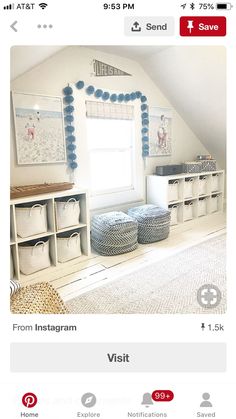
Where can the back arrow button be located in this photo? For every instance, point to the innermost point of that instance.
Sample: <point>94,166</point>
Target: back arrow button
<point>13,26</point>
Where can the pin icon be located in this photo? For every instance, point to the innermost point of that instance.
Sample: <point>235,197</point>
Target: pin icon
<point>29,400</point>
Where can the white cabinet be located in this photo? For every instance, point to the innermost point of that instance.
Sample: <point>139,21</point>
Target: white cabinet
<point>82,227</point>
<point>187,196</point>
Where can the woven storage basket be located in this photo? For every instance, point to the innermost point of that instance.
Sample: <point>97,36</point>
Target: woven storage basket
<point>188,211</point>
<point>202,186</point>
<point>67,213</point>
<point>153,223</point>
<point>68,246</point>
<point>39,298</point>
<point>208,165</point>
<point>214,203</point>
<point>192,167</point>
<point>173,190</point>
<point>202,207</point>
<point>174,214</point>
<point>188,188</point>
<point>34,256</point>
<point>31,219</point>
<point>114,233</point>
<point>215,182</point>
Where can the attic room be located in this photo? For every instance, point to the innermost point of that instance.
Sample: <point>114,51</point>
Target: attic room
<point>118,168</point>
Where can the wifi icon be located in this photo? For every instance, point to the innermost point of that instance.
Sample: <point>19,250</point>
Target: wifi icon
<point>43,5</point>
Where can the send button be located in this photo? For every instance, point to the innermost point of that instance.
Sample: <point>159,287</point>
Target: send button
<point>149,26</point>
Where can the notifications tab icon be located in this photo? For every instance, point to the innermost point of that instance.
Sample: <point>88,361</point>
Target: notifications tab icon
<point>203,26</point>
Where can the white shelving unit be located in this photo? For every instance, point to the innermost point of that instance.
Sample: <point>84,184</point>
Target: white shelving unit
<point>188,196</point>
<point>83,227</point>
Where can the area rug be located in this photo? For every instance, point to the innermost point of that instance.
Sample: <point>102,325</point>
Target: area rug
<point>168,286</point>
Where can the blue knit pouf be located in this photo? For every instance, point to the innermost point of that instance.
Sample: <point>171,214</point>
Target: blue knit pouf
<point>153,223</point>
<point>114,233</point>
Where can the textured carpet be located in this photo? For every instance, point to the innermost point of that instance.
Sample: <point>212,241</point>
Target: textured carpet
<point>166,286</point>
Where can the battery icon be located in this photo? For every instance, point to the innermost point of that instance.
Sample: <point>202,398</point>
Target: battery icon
<point>224,6</point>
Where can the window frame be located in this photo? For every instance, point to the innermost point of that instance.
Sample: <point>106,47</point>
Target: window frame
<point>127,195</point>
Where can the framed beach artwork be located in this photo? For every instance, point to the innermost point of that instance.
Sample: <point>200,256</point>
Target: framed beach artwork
<point>39,128</point>
<point>160,131</point>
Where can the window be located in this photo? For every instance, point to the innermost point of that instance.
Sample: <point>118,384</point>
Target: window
<point>112,152</point>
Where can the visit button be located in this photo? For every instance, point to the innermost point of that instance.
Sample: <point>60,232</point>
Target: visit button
<point>203,26</point>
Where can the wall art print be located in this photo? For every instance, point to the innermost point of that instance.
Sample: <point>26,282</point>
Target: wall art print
<point>160,131</point>
<point>39,128</point>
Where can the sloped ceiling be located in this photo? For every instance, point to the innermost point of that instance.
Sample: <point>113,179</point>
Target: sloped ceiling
<point>192,78</point>
<point>194,81</point>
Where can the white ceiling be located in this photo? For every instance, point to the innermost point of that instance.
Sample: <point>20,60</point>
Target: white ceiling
<point>192,78</point>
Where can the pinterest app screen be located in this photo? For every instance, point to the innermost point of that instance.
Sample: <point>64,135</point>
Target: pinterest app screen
<point>118,209</point>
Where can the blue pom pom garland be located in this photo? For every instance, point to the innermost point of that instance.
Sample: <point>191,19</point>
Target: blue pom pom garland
<point>69,118</point>
<point>68,99</point>
<point>73,165</point>
<point>80,84</point>
<point>113,97</point>
<point>90,90</point>
<point>67,90</point>
<point>121,97</point>
<point>100,94</point>
<point>105,96</point>
<point>69,109</point>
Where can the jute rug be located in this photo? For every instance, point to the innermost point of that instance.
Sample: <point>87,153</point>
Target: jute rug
<point>166,286</point>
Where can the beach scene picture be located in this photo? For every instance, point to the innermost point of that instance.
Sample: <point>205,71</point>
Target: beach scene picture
<point>160,131</point>
<point>39,129</point>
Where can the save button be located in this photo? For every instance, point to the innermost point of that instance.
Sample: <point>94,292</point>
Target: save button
<point>203,26</point>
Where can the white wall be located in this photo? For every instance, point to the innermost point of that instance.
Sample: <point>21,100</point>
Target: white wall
<point>75,63</point>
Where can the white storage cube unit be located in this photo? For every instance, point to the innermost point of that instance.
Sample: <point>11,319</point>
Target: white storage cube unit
<point>67,213</point>
<point>188,210</point>
<point>202,207</point>
<point>34,257</point>
<point>31,219</point>
<point>202,187</point>
<point>37,261</point>
<point>188,187</point>
<point>69,247</point>
<point>173,190</point>
<point>160,192</point>
<point>215,182</point>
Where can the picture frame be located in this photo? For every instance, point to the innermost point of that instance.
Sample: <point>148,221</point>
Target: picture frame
<point>160,131</point>
<point>39,128</point>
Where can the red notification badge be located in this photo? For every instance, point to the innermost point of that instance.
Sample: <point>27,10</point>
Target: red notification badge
<point>162,395</point>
